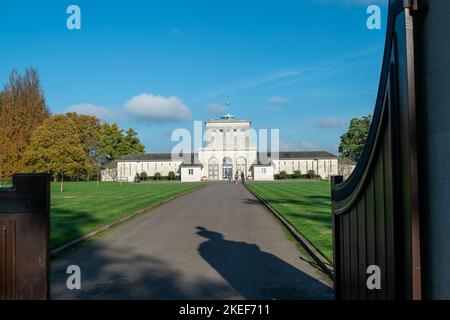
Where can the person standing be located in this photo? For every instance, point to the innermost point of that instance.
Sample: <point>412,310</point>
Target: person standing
<point>236,177</point>
<point>229,176</point>
<point>242,177</point>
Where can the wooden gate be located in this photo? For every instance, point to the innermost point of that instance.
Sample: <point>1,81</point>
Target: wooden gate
<point>24,237</point>
<point>375,212</point>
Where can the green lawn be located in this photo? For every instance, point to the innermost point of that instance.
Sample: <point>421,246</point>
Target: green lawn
<point>82,208</point>
<point>306,205</point>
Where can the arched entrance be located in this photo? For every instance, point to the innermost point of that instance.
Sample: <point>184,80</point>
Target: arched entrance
<point>213,169</point>
<point>227,168</point>
<point>241,165</point>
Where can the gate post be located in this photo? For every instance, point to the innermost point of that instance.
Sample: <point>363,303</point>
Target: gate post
<point>335,180</point>
<point>24,238</point>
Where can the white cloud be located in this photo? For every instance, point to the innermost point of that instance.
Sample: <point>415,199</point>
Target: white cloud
<point>150,107</point>
<point>216,108</point>
<point>101,112</point>
<point>278,100</point>
<point>331,122</point>
<point>302,145</point>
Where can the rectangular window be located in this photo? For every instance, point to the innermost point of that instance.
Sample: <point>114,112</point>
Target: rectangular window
<point>191,172</point>
<point>263,170</point>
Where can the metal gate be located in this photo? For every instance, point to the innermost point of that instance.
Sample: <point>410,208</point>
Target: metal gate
<point>376,211</point>
<point>24,237</point>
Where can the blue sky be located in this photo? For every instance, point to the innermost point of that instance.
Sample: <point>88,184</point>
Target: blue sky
<point>304,67</point>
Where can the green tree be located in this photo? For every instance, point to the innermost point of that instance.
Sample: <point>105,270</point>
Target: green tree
<point>297,174</point>
<point>114,144</point>
<point>157,176</point>
<point>131,143</point>
<point>353,141</point>
<point>171,175</point>
<point>56,148</point>
<point>22,110</point>
<point>110,141</point>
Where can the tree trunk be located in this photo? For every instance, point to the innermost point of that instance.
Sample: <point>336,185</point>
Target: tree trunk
<point>62,182</point>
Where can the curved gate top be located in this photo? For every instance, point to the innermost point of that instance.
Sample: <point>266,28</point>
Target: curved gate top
<point>375,212</point>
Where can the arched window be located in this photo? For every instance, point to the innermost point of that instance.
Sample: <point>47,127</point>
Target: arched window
<point>241,165</point>
<point>227,168</point>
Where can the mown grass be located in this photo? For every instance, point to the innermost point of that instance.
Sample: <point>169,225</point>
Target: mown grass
<point>83,208</point>
<point>306,205</point>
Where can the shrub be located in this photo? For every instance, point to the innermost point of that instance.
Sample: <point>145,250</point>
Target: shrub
<point>171,175</point>
<point>297,174</point>
<point>311,174</point>
<point>143,176</point>
<point>283,175</point>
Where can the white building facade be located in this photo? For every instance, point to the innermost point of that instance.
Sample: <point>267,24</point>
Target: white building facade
<point>229,150</point>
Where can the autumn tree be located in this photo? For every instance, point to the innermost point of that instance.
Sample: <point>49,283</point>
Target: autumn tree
<point>88,130</point>
<point>56,148</point>
<point>353,141</point>
<point>22,110</point>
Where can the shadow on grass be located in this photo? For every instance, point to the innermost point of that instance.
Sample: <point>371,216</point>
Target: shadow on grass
<point>324,219</point>
<point>68,224</point>
<point>308,201</point>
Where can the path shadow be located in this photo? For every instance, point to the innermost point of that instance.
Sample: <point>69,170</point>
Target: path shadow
<point>256,274</point>
<point>123,273</point>
<point>253,201</point>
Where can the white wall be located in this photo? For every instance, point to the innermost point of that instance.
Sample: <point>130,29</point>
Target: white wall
<point>194,177</point>
<point>263,173</point>
<point>227,135</point>
<point>109,174</point>
<point>323,167</point>
<point>346,170</point>
<point>127,170</point>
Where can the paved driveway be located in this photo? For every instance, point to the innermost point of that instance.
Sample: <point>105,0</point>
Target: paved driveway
<point>218,242</point>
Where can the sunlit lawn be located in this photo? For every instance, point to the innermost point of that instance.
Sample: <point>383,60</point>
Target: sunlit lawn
<point>83,208</point>
<point>306,205</point>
